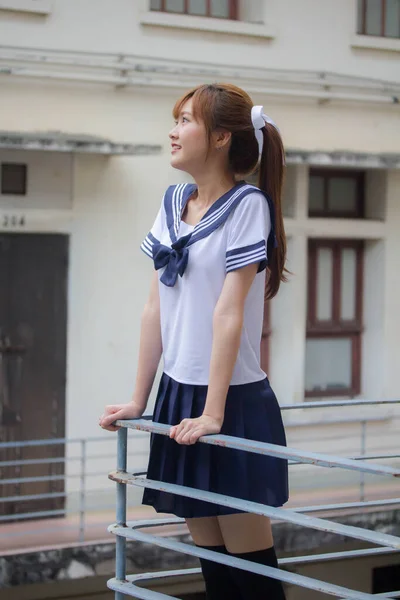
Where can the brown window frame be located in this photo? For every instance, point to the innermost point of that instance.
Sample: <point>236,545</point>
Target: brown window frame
<point>327,174</point>
<point>233,10</point>
<point>363,24</point>
<point>337,327</point>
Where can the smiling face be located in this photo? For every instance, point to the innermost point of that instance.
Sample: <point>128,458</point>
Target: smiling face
<point>189,143</point>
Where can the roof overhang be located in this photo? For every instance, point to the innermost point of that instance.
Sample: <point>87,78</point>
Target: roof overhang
<point>87,144</point>
<point>56,141</point>
<point>344,159</point>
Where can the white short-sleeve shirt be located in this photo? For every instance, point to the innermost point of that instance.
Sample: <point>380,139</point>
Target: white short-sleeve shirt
<point>193,261</point>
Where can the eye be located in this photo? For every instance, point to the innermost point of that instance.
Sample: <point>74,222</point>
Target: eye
<point>185,120</point>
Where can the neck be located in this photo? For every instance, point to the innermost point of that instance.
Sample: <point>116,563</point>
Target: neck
<point>209,189</point>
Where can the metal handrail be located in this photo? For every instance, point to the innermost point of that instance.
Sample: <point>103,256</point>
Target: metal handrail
<point>124,585</point>
<point>125,532</point>
<point>84,473</point>
<point>226,441</point>
<point>336,403</point>
<point>145,594</point>
<point>81,475</point>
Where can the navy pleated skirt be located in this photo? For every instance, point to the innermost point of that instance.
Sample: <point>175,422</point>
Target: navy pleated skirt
<point>252,412</point>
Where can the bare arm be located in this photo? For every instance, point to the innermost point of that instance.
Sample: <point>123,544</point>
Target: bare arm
<point>150,350</point>
<point>227,331</point>
<point>150,347</point>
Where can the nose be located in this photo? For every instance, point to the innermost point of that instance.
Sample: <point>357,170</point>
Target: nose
<point>172,134</point>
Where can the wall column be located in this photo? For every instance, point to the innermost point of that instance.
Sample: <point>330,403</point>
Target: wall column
<point>288,311</point>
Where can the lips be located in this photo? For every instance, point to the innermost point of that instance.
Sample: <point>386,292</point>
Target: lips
<point>175,147</point>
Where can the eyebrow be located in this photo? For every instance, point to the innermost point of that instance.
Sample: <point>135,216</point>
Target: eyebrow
<point>186,112</point>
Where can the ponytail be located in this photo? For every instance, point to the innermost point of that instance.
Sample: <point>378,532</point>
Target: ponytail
<point>227,107</point>
<point>270,181</point>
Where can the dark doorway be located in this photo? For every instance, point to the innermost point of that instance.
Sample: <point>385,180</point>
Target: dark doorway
<point>33,316</point>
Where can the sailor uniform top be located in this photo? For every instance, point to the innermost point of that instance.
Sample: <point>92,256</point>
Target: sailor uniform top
<point>193,261</point>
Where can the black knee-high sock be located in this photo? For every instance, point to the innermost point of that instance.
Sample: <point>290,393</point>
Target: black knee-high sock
<point>258,587</point>
<point>220,584</point>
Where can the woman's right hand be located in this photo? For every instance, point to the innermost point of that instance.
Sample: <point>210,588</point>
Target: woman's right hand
<point>113,412</point>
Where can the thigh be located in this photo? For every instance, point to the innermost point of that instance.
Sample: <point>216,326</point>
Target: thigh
<point>205,531</point>
<point>245,532</point>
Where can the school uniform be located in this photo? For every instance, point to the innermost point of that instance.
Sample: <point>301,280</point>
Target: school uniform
<point>192,263</point>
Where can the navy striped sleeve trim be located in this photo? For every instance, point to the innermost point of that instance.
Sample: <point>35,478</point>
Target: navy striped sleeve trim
<point>247,255</point>
<point>148,243</point>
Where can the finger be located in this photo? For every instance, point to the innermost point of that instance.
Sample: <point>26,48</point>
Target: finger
<point>108,419</point>
<point>111,428</point>
<point>179,435</point>
<point>108,411</point>
<point>182,426</point>
<point>195,435</point>
<point>112,408</point>
<point>178,429</point>
<point>184,435</point>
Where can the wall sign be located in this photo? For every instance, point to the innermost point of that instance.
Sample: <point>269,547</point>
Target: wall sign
<point>12,221</point>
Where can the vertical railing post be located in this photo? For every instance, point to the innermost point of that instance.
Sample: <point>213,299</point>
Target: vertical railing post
<point>82,493</point>
<point>120,546</point>
<point>363,450</point>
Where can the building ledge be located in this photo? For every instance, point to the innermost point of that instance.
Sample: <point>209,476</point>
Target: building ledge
<point>373,42</point>
<point>360,229</point>
<point>170,20</point>
<point>39,7</point>
<point>64,142</point>
<point>344,158</point>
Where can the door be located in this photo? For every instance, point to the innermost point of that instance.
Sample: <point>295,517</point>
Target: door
<point>33,315</point>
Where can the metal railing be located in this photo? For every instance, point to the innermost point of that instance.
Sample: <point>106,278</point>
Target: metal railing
<point>85,454</point>
<point>81,475</point>
<point>124,584</point>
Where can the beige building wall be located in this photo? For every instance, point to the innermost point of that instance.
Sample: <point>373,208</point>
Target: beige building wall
<point>61,75</point>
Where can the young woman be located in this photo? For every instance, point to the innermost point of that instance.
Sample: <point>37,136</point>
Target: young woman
<point>219,249</point>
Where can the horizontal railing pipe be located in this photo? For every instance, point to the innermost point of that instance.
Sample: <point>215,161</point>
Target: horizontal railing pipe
<point>125,585</point>
<point>341,403</point>
<point>279,514</point>
<point>27,497</point>
<point>291,560</point>
<point>274,573</point>
<point>145,594</point>
<point>315,458</point>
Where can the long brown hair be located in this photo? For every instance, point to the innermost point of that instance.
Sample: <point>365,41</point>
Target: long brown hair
<point>225,106</point>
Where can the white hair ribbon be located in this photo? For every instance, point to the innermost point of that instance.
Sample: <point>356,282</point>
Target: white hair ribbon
<point>258,118</point>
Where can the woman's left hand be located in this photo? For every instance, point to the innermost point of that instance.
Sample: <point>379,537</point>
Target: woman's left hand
<point>190,430</point>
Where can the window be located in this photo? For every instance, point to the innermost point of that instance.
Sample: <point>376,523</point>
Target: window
<point>13,179</point>
<point>222,9</point>
<point>334,320</point>
<point>336,193</point>
<point>379,17</point>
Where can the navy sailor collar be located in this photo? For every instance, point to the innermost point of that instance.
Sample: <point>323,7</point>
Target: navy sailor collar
<point>177,196</point>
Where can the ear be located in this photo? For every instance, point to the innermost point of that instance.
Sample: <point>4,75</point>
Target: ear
<point>222,138</point>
